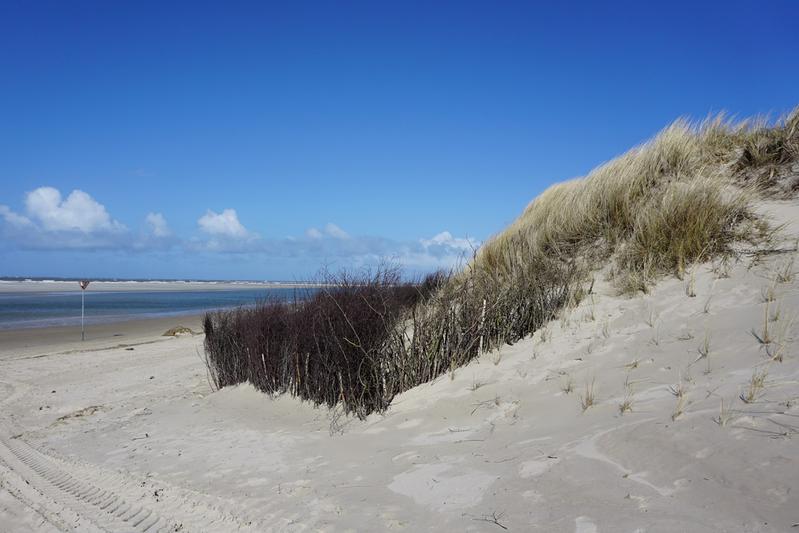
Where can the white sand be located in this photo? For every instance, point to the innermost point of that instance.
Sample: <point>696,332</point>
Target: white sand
<point>500,445</point>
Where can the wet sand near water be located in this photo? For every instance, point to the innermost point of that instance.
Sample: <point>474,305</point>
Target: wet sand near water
<point>32,342</point>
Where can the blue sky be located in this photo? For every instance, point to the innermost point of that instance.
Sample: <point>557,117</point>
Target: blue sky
<point>258,141</point>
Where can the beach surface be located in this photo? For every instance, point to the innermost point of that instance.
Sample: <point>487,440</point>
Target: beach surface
<point>660,412</point>
<point>30,342</point>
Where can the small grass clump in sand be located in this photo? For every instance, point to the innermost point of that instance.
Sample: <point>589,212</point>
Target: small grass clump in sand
<point>588,397</point>
<point>755,386</point>
<point>626,404</point>
<point>786,273</point>
<point>764,337</point>
<point>567,385</point>
<point>704,352</point>
<point>768,293</point>
<point>679,410</point>
<point>776,314</point>
<point>679,391</point>
<point>782,337</point>
<point>725,414</point>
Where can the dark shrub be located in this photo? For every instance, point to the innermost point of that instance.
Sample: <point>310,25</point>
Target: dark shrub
<point>361,340</point>
<point>327,347</point>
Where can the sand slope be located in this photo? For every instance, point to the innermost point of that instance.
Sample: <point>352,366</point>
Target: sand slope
<point>501,444</point>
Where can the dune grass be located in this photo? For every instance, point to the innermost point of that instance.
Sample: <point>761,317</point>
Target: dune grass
<point>588,396</point>
<point>755,386</point>
<point>681,198</point>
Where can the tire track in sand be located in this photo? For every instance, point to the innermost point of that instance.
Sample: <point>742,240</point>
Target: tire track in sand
<point>78,496</point>
<point>93,507</point>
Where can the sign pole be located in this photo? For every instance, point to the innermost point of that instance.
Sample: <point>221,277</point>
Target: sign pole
<point>83,284</point>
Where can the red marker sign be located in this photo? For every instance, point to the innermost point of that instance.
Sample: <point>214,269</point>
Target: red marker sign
<point>83,284</point>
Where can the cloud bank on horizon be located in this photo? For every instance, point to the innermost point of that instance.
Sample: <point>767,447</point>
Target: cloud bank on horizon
<point>78,222</point>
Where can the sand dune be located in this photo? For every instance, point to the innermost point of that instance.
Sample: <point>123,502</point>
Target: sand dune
<point>661,412</point>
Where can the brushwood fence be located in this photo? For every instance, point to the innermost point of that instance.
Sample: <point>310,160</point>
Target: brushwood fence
<point>361,340</point>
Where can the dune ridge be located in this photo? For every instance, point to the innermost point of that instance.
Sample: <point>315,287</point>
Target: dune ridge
<point>686,196</point>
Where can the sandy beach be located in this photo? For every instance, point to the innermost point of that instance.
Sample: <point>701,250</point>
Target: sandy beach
<point>608,419</point>
<point>29,342</point>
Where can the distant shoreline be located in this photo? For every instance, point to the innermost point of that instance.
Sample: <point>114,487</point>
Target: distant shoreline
<point>140,280</point>
<point>22,286</point>
<point>32,305</point>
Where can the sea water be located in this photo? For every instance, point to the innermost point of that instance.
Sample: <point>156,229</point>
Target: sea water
<point>37,309</point>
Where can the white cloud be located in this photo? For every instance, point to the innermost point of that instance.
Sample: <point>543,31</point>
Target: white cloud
<point>15,219</point>
<point>78,222</point>
<point>158,225</point>
<point>335,231</point>
<point>78,212</point>
<point>446,240</point>
<point>225,223</point>
<point>313,233</point>
<point>330,230</point>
